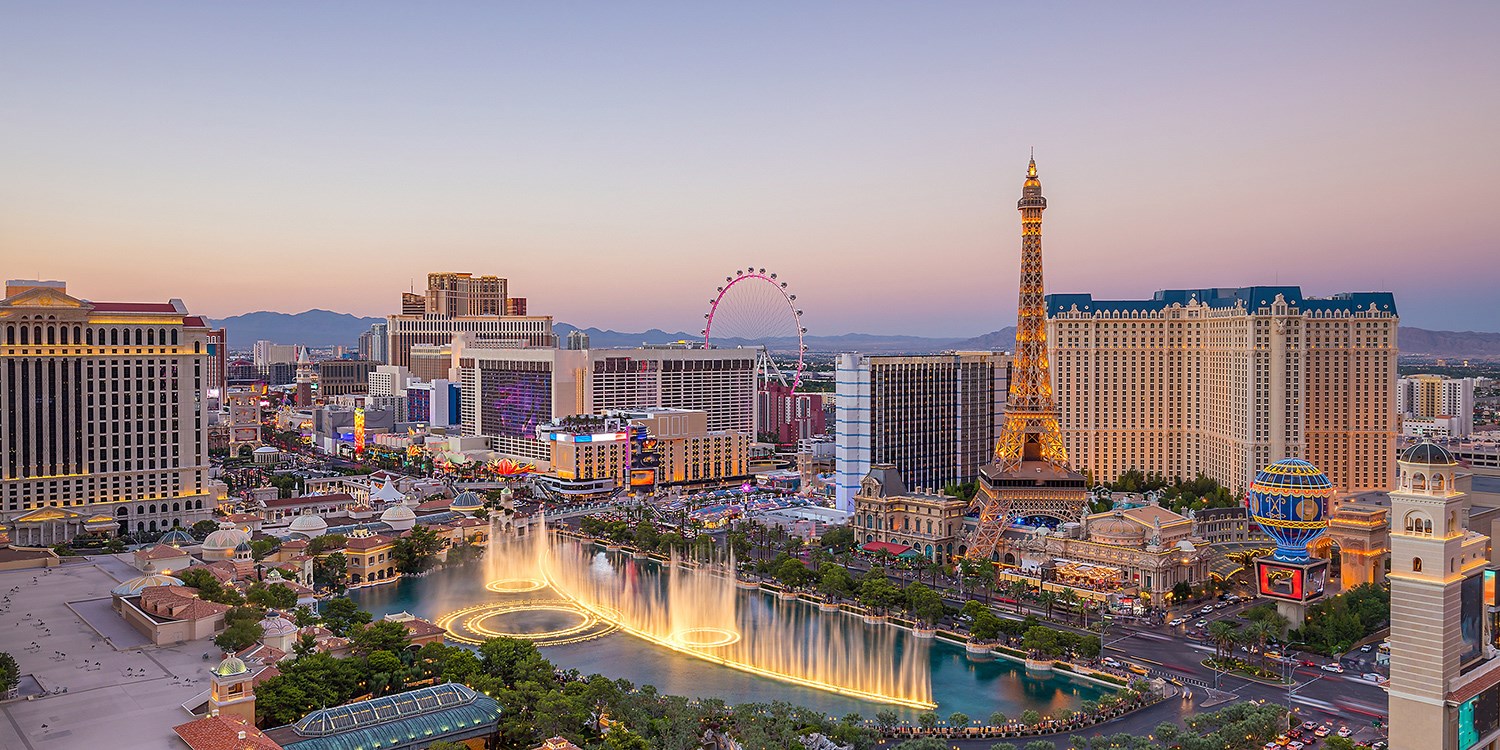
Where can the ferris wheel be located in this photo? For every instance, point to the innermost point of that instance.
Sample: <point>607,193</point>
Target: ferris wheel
<point>755,309</point>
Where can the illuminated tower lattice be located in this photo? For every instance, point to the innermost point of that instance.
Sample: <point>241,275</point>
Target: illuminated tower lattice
<point>1030,475</point>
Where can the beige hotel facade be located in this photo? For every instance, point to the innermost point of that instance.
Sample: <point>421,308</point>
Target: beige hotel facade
<point>1225,381</point>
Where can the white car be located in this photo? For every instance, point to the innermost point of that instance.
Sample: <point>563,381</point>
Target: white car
<point>1345,731</point>
<point>1176,621</point>
<point>1201,624</point>
<point>1207,608</point>
<point>1335,668</point>
<point>1365,649</point>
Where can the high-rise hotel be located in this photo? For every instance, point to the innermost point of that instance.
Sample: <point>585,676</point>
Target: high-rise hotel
<point>1224,381</point>
<point>461,303</point>
<point>101,415</point>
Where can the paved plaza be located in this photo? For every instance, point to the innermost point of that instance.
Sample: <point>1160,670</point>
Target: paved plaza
<point>118,693</point>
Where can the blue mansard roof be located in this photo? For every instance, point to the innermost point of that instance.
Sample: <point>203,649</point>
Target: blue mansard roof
<point>1252,297</point>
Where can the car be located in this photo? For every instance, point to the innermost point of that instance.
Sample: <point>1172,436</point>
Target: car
<point>1295,733</point>
<point>1379,745</point>
<point>1308,663</point>
<point>1138,669</point>
<point>1335,668</point>
<point>1221,606</point>
<point>1109,662</point>
<point>1176,621</point>
<point>1201,624</point>
<point>1282,739</point>
<point>1365,649</point>
<point>1207,608</point>
<point>1345,731</point>
<point>1294,745</point>
<point>1322,731</point>
<point>1273,655</point>
<point>1309,725</point>
<point>1374,677</point>
<point>1270,746</point>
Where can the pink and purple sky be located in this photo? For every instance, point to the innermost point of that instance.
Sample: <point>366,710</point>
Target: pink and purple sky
<point>616,160</point>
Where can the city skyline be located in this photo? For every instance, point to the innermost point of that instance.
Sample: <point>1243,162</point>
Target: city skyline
<point>864,156</point>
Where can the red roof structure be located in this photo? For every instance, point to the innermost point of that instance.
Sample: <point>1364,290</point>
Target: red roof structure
<point>888,547</point>
<point>224,733</point>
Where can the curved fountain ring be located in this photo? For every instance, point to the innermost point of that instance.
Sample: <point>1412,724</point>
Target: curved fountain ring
<point>466,625</point>
<point>705,637</point>
<point>515,585</point>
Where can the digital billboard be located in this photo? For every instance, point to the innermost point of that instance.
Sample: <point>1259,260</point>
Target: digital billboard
<point>1478,717</point>
<point>1298,583</point>
<point>1471,618</point>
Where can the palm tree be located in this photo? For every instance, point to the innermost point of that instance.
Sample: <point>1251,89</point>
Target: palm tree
<point>1221,632</point>
<point>1047,598</point>
<point>1068,598</point>
<point>1261,632</point>
<point>1017,589</point>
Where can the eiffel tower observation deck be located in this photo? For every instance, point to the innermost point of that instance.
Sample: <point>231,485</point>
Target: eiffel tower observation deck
<point>1030,475</point>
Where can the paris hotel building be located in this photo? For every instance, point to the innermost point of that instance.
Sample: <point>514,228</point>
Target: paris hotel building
<point>1224,381</point>
<point>101,415</point>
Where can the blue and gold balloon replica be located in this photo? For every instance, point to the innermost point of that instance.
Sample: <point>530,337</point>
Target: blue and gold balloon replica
<point>1289,499</point>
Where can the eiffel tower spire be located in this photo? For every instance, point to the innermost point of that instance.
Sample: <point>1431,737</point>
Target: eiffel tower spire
<point>1031,432</point>
<point>1030,475</point>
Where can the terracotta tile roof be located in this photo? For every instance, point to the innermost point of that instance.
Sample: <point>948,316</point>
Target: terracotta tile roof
<point>557,743</point>
<point>178,603</point>
<point>159,552</point>
<point>243,517</point>
<point>1479,685</point>
<point>363,543</point>
<point>441,503</point>
<point>194,321</point>
<point>294,544</point>
<point>419,628</point>
<point>292,502</point>
<point>223,733</point>
<point>263,675</point>
<point>143,307</point>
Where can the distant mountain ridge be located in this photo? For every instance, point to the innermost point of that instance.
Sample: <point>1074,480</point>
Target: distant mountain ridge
<point>308,328</point>
<point>320,328</point>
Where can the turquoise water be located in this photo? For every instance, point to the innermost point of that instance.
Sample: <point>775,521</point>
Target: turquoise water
<point>959,683</point>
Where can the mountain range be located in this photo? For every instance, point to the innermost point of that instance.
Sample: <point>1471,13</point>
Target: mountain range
<point>321,328</point>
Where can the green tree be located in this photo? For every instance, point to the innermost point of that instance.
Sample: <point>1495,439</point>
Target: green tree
<point>10,672</point>
<point>958,719</point>
<point>202,529</point>
<point>239,636</point>
<point>927,720</point>
<point>839,539</point>
<point>624,739</point>
<point>924,604</point>
<point>418,551</point>
<point>886,719</point>
<point>341,614</point>
<point>387,673</point>
<point>834,581</point>
<point>999,719</point>
<point>381,635</point>
<point>208,586</point>
<point>1030,717</point>
<point>275,595</point>
<point>320,544</point>
<point>331,572</point>
<point>1182,591</point>
<point>259,548</point>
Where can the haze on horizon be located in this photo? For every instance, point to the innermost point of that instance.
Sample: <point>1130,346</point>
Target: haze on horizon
<point>616,161</point>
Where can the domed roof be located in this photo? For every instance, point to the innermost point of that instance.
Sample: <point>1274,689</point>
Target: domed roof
<point>243,547</point>
<point>138,584</point>
<point>468,500</point>
<point>226,538</point>
<point>267,449</point>
<point>1186,546</point>
<point>274,576</point>
<point>1427,452</point>
<point>399,517</point>
<point>176,538</point>
<point>230,666</point>
<point>1115,527</point>
<point>274,625</point>
<point>309,525</point>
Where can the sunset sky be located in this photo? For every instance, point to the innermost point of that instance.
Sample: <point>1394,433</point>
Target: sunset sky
<point>616,160</point>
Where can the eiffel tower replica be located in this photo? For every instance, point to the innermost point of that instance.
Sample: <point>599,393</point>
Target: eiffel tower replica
<point>1030,475</point>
